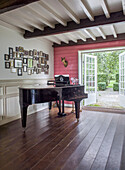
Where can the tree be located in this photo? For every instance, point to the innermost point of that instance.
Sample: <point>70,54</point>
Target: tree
<point>108,62</point>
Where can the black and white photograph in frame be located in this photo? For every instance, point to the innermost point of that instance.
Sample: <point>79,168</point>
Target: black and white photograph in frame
<point>24,68</point>
<point>24,60</point>
<point>6,57</point>
<point>18,63</point>
<point>19,71</point>
<point>30,53</point>
<point>7,65</point>
<point>10,53</point>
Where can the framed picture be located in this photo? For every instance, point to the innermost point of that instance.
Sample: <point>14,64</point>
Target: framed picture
<point>16,49</point>
<point>21,55</point>
<point>30,62</point>
<point>26,52</point>
<point>29,72</point>
<point>32,71</point>
<point>42,60</point>
<point>39,65</point>
<point>18,63</point>
<point>42,68</point>
<point>21,49</point>
<point>35,69</point>
<point>45,62</point>
<point>6,57</point>
<point>10,52</point>
<point>30,53</point>
<point>24,60</point>
<point>11,63</point>
<point>14,54</point>
<point>34,52</point>
<point>19,71</point>
<point>13,70</point>
<point>7,65</point>
<point>46,56</point>
<point>24,68</point>
<point>17,55</point>
<point>43,55</point>
<point>40,53</point>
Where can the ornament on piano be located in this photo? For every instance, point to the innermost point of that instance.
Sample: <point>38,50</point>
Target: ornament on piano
<point>74,80</point>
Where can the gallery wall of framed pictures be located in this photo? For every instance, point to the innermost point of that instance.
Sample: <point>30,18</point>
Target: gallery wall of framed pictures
<point>22,61</point>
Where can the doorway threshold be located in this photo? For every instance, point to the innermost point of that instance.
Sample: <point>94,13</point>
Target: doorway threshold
<point>104,109</point>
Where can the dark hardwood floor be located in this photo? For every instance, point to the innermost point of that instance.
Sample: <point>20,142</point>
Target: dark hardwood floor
<point>96,142</point>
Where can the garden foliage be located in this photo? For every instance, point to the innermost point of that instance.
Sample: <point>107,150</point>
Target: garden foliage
<point>102,85</point>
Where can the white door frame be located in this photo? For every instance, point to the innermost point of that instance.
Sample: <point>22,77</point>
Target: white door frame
<point>80,62</point>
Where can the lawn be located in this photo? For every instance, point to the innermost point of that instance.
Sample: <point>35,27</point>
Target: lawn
<point>110,85</point>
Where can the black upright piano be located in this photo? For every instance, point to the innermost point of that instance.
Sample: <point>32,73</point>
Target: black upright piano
<point>33,95</point>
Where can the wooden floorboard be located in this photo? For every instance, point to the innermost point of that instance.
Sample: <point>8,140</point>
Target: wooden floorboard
<point>96,142</point>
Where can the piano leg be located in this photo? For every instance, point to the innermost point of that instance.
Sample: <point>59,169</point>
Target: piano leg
<point>62,106</point>
<point>50,105</point>
<point>77,108</point>
<point>24,115</point>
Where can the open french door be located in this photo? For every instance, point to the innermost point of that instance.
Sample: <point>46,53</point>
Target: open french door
<point>122,79</point>
<point>90,78</point>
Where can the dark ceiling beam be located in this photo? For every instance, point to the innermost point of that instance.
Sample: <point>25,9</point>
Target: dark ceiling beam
<point>8,5</point>
<point>90,41</point>
<point>72,26</point>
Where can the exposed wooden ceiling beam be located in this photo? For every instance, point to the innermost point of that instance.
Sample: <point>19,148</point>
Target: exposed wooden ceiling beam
<point>23,17</point>
<point>113,31</point>
<point>39,16</point>
<point>70,12</point>
<point>123,6</point>
<point>8,5</point>
<point>71,37</point>
<point>53,39</point>
<point>6,25</point>
<point>15,22</point>
<point>101,32</point>
<point>81,35</point>
<point>72,26</point>
<point>86,10</point>
<point>90,41</point>
<point>90,34</point>
<point>105,8</point>
<point>62,38</point>
<point>53,13</point>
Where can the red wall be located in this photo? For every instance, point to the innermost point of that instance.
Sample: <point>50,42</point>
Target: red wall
<point>71,55</point>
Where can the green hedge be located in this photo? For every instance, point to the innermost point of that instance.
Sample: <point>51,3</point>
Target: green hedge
<point>117,77</point>
<point>102,78</point>
<point>102,85</point>
<point>116,86</point>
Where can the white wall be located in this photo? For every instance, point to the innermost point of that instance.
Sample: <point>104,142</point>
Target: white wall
<point>9,38</point>
<point>9,82</point>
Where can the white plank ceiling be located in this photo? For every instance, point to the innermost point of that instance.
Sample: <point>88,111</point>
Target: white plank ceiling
<point>50,12</point>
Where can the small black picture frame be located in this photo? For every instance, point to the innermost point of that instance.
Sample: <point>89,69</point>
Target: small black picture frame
<point>25,60</point>
<point>19,71</point>
<point>24,68</point>
<point>10,53</point>
<point>30,53</point>
<point>17,49</point>
<point>7,65</point>
<point>21,55</point>
<point>6,57</point>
